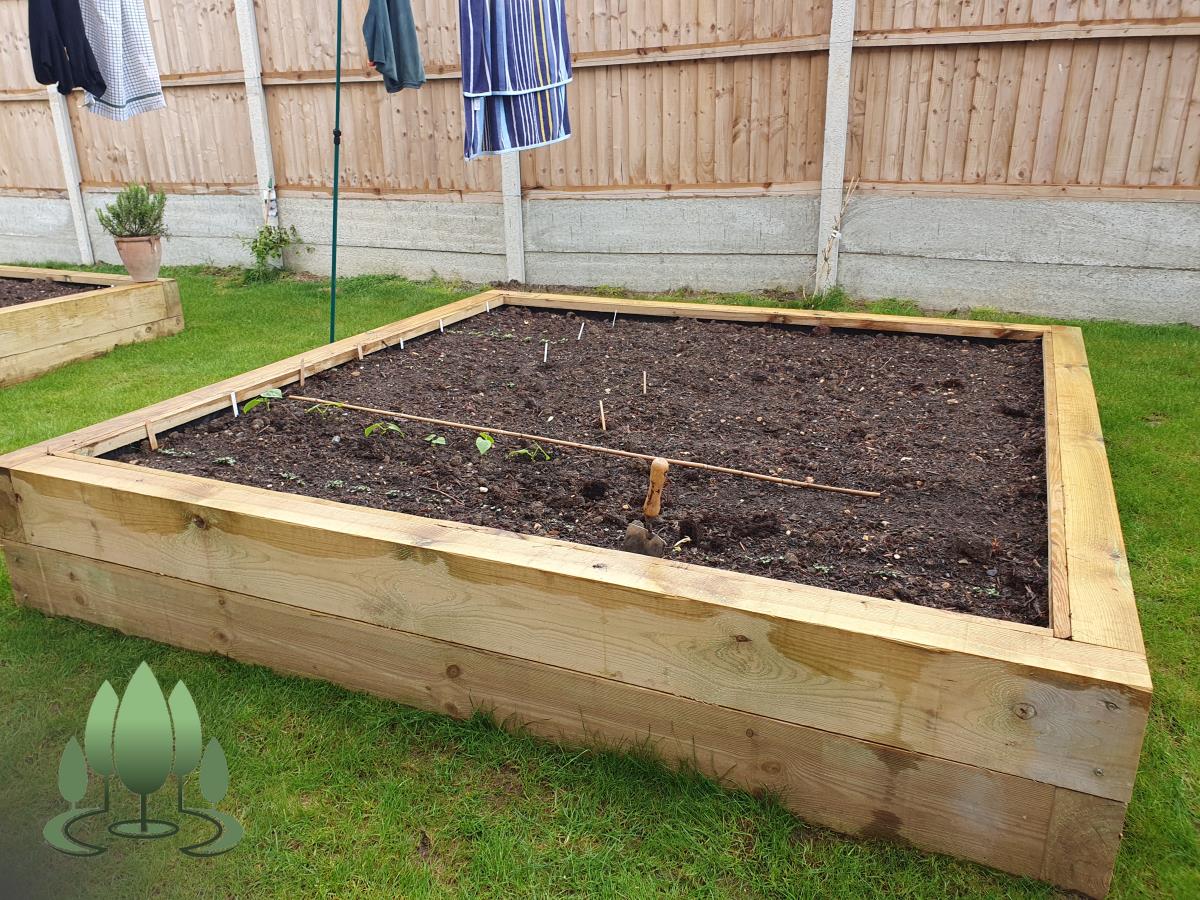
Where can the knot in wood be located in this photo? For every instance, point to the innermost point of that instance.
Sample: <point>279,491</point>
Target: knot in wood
<point>453,671</point>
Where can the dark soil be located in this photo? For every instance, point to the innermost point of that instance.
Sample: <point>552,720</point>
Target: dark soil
<point>950,430</point>
<point>15,291</point>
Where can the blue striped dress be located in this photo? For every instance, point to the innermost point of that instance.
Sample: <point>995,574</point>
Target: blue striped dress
<point>516,64</point>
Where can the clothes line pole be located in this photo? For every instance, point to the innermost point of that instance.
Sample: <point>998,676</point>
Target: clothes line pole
<point>337,160</point>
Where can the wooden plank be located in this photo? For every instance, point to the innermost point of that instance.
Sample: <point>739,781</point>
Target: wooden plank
<point>1103,609</point>
<point>24,366</point>
<point>947,691</point>
<point>853,786</point>
<point>36,326</point>
<point>67,275</point>
<point>1058,584</point>
<point>1082,844</point>
<point>913,324</point>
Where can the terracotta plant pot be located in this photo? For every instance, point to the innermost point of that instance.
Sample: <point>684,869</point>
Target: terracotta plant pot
<point>142,256</point>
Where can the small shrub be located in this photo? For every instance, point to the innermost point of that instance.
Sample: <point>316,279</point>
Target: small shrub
<point>134,213</point>
<point>268,246</point>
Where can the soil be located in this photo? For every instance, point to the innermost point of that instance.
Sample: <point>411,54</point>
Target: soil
<point>15,291</point>
<point>951,431</point>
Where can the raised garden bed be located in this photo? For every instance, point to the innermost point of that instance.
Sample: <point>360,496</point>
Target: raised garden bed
<point>1009,734</point>
<point>50,317</point>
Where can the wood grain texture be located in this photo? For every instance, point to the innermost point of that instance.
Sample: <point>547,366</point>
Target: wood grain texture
<point>1082,844</point>
<point>32,163</point>
<point>1103,609</point>
<point>853,786</point>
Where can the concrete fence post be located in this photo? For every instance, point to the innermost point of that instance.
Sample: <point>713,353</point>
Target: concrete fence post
<point>70,164</point>
<point>514,216</point>
<point>837,125</point>
<point>256,106</point>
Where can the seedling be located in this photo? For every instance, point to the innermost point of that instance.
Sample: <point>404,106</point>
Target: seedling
<point>225,461</point>
<point>336,483</point>
<point>290,476</point>
<point>265,397</point>
<point>171,451</point>
<point>533,453</point>
<point>435,440</point>
<point>323,409</point>
<point>385,427</point>
<point>484,443</point>
<point>358,489</point>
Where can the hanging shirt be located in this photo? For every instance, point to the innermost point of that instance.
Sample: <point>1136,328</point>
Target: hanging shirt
<point>516,64</point>
<point>391,37</point>
<point>60,49</point>
<point>120,38</point>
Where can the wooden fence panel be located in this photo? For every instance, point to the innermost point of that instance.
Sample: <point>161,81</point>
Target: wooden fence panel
<point>16,70</point>
<point>32,162</point>
<point>756,120</point>
<point>1086,112</point>
<point>409,142</point>
<point>192,38</point>
<point>901,15</point>
<point>200,141</point>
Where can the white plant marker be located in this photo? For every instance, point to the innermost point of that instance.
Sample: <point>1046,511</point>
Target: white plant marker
<point>401,343</point>
<point>581,327</point>
<point>644,385</point>
<point>614,321</point>
<point>487,305</point>
<point>441,327</point>
<point>546,352</point>
<point>233,402</point>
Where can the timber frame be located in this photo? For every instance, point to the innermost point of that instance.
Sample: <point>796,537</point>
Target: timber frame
<point>1008,744</point>
<point>42,335</point>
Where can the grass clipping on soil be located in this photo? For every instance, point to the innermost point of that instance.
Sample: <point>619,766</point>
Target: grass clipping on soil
<point>949,429</point>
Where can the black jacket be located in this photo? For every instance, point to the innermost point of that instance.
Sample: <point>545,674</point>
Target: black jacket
<point>60,48</point>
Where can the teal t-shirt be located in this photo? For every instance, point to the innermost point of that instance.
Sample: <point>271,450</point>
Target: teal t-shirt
<point>391,37</point>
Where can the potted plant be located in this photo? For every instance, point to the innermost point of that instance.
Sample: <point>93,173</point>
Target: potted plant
<point>135,220</point>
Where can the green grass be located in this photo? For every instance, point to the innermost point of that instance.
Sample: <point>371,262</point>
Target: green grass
<point>344,795</point>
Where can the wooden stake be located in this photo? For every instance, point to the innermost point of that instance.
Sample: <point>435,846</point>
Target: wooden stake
<point>302,373</point>
<point>603,422</point>
<point>358,350</point>
<point>591,448</point>
<point>152,437</point>
<point>652,508</point>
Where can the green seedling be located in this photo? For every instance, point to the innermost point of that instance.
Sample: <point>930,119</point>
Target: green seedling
<point>533,453</point>
<point>323,409</point>
<point>290,476</point>
<point>435,440</point>
<point>265,397</point>
<point>225,461</point>
<point>336,483</point>
<point>171,451</point>
<point>358,489</point>
<point>385,427</point>
<point>484,443</point>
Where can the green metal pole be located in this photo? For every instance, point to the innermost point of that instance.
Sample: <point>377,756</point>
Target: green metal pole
<point>337,162</point>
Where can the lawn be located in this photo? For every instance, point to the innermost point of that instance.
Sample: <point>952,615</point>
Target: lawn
<point>345,795</point>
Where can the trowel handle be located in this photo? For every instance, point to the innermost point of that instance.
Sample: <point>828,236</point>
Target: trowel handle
<point>658,480</point>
